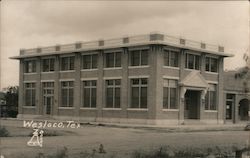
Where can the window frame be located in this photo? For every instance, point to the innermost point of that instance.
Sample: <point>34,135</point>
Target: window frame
<point>139,86</point>
<point>32,97</point>
<point>210,101</point>
<point>113,86</point>
<point>27,66</point>
<point>114,62</point>
<point>209,64</point>
<point>194,65</point>
<point>169,53</point>
<point>140,51</point>
<point>92,67</point>
<point>68,88</point>
<point>69,64</point>
<point>49,64</point>
<point>168,86</point>
<point>90,88</point>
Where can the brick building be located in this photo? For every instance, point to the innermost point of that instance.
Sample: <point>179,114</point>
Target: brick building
<point>149,79</point>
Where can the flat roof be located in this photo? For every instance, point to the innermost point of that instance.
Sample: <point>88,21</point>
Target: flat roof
<point>128,41</point>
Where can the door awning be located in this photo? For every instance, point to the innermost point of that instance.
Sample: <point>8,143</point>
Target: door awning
<point>194,79</point>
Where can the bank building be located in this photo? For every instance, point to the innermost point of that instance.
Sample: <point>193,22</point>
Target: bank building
<point>144,79</point>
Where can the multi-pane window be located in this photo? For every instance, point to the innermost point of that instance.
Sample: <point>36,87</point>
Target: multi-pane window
<point>170,58</point>
<point>139,57</point>
<point>192,61</point>
<point>139,93</point>
<point>113,93</point>
<point>113,59</point>
<point>169,94</point>
<point>211,64</point>
<point>30,66</point>
<point>30,94</point>
<point>89,94</point>
<point>48,65</point>
<point>89,61</point>
<point>48,88</point>
<point>210,98</point>
<point>67,93</point>
<point>67,63</point>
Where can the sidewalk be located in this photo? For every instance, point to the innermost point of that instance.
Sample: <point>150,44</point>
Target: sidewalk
<point>163,128</point>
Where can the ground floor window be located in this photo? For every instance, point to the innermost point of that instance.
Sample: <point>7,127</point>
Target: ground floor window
<point>113,93</point>
<point>169,94</point>
<point>67,93</point>
<point>210,99</point>
<point>139,92</point>
<point>89,94</point>
<point>30,94</point>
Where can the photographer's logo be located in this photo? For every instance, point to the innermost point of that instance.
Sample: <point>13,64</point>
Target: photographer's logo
<point>37,138</point>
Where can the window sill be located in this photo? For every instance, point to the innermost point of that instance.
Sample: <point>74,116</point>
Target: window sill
<point>65,71</point>
<point>136,109</point>
<point>136,67</point>
<point>85,108</point>
<point>31,73</point>
<point>112,68</point>
<point>170,110</point>
<point>111,109</point>
<point>210,110</point>
<point>170,67</point>
<point>29,107</point>
<point>69,108</point>
<point>192,69</point>
<point>48,72</point>
<point>214,73</point>
<point>89,69</point>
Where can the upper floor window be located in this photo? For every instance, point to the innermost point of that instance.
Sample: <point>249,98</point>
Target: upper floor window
<point>210,98</point>
<point>113,59</point>
<point>30,66</point>
<point>67,63</point>
<point>89,61</point>
<point>211,64</point>
<point>139,57</point>
<point>89,94</point>
<point>48,65</point>
<point>170,58</point>
<point>113,93</point>
<point>169,94</point>
<point>67,93</point>
<point>30,94</point>
<point>139,93</point>
<point>192,61</point>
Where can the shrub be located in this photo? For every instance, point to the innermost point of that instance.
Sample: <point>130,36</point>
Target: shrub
<point>4,132</point>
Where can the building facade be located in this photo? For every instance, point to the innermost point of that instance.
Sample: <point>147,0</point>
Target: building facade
<point>148,79</point>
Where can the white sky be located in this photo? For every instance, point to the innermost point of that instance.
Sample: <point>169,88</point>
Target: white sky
<point>28,24</point>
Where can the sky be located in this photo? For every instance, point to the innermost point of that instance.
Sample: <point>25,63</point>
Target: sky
<point>29,24</point>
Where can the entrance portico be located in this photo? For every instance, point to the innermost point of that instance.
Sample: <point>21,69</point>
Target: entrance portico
<point>193,89</point>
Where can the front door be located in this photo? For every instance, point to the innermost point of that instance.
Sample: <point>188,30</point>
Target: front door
<point>48,103</point>
<point>192,104</point>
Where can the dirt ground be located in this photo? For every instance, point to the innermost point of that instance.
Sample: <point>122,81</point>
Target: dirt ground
<point>116,140</point>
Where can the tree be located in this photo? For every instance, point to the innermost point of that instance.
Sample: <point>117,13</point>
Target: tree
<point>11,97</point>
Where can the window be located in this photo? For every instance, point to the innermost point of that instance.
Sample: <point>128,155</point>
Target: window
<point>113,93</point>
<point>139,57</point>
<point>170,58</point>
<point>89,94</point>
<point>48,65</point>
<point>211,64</point>
<point>30,94</point>
<point>67,63</point>
<point>30,66</point>
<point>89,61</point>
<point>67,93</point>
<point>113,59</point>
<point>210,98</point>
<point>169,94</point>
<point>139,93</point>
<point>193,61</point>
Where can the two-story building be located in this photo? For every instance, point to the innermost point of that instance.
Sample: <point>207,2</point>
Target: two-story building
<point>148,79</point>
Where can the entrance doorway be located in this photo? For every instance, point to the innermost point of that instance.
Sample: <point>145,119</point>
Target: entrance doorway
<point>230,106</point>
<point>48,97</point>
<point>192,104</point>
<point>243,109</point>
